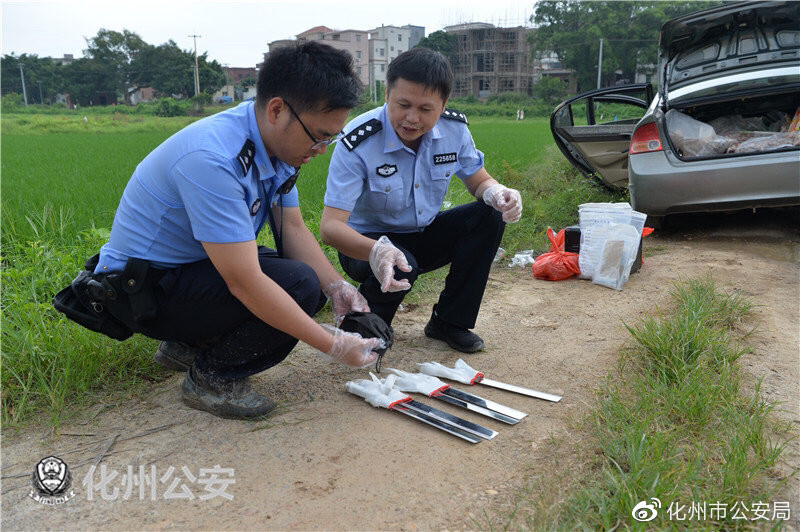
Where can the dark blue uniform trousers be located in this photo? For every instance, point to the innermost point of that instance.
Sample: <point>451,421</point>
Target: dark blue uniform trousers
<point>194,306</point>
<point>466,237</point>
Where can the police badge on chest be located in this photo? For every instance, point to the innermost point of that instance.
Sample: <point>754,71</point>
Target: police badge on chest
<point>386,170</point>
<point>255,207</point>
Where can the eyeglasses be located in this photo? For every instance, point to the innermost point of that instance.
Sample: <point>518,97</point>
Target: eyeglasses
<point>317,143</point>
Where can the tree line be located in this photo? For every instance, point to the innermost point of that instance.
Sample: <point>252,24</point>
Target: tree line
<point>114,65</point>
<point>117,63</point>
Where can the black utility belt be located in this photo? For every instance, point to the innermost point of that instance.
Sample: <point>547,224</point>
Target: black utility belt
<point>88,297</point>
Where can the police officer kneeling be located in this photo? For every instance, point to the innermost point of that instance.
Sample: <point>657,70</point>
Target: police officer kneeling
<point>182,264</point>
<point>386,186</point>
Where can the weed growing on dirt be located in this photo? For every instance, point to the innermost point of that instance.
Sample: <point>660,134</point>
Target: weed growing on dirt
<point>50,364</point>
<point>673,423</point>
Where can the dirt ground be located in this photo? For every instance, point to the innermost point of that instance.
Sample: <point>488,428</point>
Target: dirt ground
<point>328,460</point>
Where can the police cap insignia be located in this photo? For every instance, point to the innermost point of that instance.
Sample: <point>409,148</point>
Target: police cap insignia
<point>357,135</point>
<point>246,155</point>
<point>453,114</point>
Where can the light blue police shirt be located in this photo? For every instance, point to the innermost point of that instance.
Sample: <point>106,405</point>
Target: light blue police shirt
<point>209,182</point>
<point>387,187</point>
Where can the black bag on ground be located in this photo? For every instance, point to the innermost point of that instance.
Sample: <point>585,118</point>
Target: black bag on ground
<point>83,307</point>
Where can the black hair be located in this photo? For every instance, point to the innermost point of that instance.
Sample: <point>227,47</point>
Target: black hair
<point>310,76</point>
<point>425,66</point>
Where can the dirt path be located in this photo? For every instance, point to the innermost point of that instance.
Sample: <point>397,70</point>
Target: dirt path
<point>327,460</point>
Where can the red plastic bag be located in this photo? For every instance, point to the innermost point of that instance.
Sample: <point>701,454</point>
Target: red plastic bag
<point>557,264</point>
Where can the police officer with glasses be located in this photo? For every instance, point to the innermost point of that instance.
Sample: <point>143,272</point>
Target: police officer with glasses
<point>182,259</point>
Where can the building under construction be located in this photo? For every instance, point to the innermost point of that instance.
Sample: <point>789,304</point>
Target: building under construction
<point>488,60</point>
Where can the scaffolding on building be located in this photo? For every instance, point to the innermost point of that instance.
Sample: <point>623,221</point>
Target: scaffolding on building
<point>489,60</point>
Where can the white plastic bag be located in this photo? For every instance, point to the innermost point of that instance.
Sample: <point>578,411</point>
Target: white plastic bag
<point>618,255</point>
<point>693,138</point>
<point>523,258</point>
<point>595,219</point>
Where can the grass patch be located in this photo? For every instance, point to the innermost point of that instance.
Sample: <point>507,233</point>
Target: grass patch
<point>95,123</point>
<point>672,422</point>
<point>50,363</point>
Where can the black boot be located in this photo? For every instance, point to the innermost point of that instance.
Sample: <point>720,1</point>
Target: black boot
<point>176,356</point>
<point>458,338</point>
<point>224,397</point>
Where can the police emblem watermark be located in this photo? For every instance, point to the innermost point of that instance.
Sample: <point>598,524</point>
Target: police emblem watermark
<point>52,482</point>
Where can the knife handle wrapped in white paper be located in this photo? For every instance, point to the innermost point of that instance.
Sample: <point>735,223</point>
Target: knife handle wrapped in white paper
<point>461,372</point>
<point>417,382</point>
<point>377,393</point>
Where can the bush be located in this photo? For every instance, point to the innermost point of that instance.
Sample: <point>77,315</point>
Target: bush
<point>12,102</point>
<point>509,97</point>
<point>473,108</point>
<point>169,107</point>
<point>202,99</point>
<point>550,89</point>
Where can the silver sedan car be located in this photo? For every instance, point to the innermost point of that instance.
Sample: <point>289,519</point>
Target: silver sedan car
<point>723,131</point>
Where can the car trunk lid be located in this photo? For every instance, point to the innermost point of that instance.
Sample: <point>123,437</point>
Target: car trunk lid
<point>718,52</point>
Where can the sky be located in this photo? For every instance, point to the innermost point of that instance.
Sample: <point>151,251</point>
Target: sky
<point>235,33</point>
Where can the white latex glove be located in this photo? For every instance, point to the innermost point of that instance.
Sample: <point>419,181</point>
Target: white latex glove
<point>461,372</point>
<point>377,392</point>
<point>383,257</point>
<point>506,200</point>
<point>344,298</point>
<point>417,382</point>
<point>351,349</point>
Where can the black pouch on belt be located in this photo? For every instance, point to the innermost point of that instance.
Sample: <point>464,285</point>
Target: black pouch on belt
<point>140,291</point>
<point>83,302</point>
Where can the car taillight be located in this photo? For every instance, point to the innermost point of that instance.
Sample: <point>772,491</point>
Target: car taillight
<point>646,139</point>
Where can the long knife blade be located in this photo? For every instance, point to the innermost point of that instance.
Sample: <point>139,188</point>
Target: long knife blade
<point>485,403</point>
<point>436,423</point>
<point>477,409</point>
<point>463,424</point>
<point>520,390</point>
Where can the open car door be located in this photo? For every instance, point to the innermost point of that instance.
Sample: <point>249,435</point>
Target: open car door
<point>593,130</point>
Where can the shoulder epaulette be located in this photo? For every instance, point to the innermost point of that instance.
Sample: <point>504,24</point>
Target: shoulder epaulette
<point>246,156</point>
<point>454,114</point>
<point>358,134</point>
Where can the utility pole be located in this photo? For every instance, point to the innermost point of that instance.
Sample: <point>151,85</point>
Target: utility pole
<point>21,75</point>
<point>228,81</point>
<point>196,69</point>
<point>372,77</point>
<point>41,99</point>
<point>600,64</point>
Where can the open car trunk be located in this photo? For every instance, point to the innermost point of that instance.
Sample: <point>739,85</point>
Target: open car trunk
<point>757,124</point>
<point>730,80</point>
